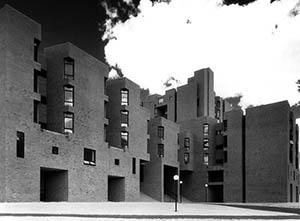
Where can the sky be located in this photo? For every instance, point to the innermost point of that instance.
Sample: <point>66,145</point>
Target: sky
<point>253,50</point>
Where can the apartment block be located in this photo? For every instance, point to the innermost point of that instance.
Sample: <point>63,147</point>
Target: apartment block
<point>70,133</point>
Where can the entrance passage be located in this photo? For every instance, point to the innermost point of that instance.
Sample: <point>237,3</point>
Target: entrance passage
<point>215,193</point>
<point>53,185</point>
<point>116,188</point>
<point>169,183</point>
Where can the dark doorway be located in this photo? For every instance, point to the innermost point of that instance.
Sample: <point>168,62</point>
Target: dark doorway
<point>53,185</point>
<point>169,183</point>
<point>215,193</point>
<point>116,189</point>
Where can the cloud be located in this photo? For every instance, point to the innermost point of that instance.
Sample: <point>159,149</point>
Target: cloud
<point>253,49</point>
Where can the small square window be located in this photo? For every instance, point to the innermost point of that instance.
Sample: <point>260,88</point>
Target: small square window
<point>55,150</point>
<point>117,162</point>
<point>89,156</point>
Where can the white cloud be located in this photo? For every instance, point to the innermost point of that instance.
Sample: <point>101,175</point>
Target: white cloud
<point>253,50</point>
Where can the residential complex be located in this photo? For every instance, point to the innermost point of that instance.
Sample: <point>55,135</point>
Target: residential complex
<point>70,133</point>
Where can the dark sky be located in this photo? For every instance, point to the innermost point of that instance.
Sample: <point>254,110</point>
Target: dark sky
<point>65,21</point>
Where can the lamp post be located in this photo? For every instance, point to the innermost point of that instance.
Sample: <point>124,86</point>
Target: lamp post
<point>206,186</point>
<point>176,178</point>
<point>180,182</point>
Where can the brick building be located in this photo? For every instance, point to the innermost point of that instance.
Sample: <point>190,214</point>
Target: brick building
<point>68,133</point>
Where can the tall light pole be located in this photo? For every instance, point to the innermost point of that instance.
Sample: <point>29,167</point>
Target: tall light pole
<point>180,186</point>
<point>176,178</point>
<point>206,186</point>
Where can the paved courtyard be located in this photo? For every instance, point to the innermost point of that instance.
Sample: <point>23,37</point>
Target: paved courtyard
<point>146,210</point>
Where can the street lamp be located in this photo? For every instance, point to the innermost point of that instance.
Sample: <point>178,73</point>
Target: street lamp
<point>176,178</point>
<point>206,186</point>
<point>180,182</point>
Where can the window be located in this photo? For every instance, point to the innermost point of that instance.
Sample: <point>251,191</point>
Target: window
<point>187,143</point>
<point>124,118</point>
<point>55,150</point>
<point>133,165</point>
<point>205,129</point>
<point>124,97</point>
<point>291,192</point>
<point>160,132</point>
<point>117,162</point>
<point>20,144</point>
<point>69,68</point>
<point>160,150</point>
<point>148,126</point>
<point>105,85</point>
<point>35,81</point>
<point>69,122</point>
<point>205,143</point>
<point>225,125</point>
<point>148,145</point>
<point>186,158</point>
<point>225,141</point>
<point>69,95</point>
<point>43,99</point>
<point>89,156</point>
<point>36,49</point>
<point>35,111</point>
<point>205,159</point>
<point>106,109</point>
<point>178,140</point>
<point>225,157</point>
<point>124,139</point>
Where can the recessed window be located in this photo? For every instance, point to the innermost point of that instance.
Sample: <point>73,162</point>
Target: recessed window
<point>225,157</point>
<point>117,162</point>
<point>35,111</point>
<point>124,118</point>
<point>124,96</point>
<point>160,132</point>
<point>89,156</point>
<point>69,95</point>
<point>205,129</point>
<point>225,125</point>
<point>187,143</point>
<point>69,68</point>
<point>36,49</point>
<point>20,144</point>
<point>160,150</point>
<point>55,150</point>
<point>133,165</point>
<point>43,99</point>
<point>148,145</point>
<point>205,159</point>
<point>148,126</point>
<point>225,141</point>
<point>205,143</point>
<point>68,122</point>
<point>124,139</point>
<point>35,81</point>
<point>186,158</point>
<point>105,133</point>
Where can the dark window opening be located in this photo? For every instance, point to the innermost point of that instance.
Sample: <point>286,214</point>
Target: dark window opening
<point>160,150</point>
<point>124,118</point>
<point>43,99</point>
<point>124,139</point>
<point>89,156</point>
<point>148,145</point>
<point>117,162</point>
<point>124,97</point>
<point>186,158</point>
<point>105,133</point>
<point>160,132</point>
<point>148,126</point>
<point>69,68</point>
<point>106,109</point>
<point>216,176</point>
<point>68,122</point>
<point>225,141</point>
<point>55,150</point>
<point>35,81</point>
<point>162,111</point>
<point>225,157</point>
<point>225,125</point>
<point>20,144</point>
<point>105,85</point>
<point>69,95</point>
<point>43,125</point>
<point>133,165</point>
<point>35,111</point>
<point>36,49</point>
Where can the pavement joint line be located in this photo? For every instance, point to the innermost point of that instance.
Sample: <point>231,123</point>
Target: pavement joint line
<point>253,217</point>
